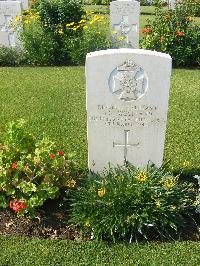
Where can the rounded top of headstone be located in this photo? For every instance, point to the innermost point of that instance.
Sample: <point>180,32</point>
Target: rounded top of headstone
<point>128,51</point>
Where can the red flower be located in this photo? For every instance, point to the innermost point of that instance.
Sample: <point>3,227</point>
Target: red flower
<point>61,153</point>
<point>148,30</point>
<point>14,166</point>
<point>180,33</point>
<point>51,156</point>
<point>11,204</point>
<point>17,205</point>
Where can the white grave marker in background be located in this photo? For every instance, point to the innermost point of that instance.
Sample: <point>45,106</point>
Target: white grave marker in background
<point>24,3</point>
<point>124,23</point>
<point>8,11</point>
<point>127,103</point>
<point>172,4</point>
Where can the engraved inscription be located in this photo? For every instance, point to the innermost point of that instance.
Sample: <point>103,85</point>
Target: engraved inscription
<point>127,116</point>
<point>128,82</point>
<point>124,8</point>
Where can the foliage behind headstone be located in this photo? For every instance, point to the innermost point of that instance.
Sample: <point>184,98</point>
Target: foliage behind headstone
<point>173,32</point>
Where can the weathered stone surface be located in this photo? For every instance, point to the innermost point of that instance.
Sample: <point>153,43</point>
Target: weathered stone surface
<point>124,23</point>
<point>24,3</point>
<point>8,11</point>
<point>127,102</point>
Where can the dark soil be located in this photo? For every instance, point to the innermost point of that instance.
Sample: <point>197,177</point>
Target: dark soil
<point>52,222</point>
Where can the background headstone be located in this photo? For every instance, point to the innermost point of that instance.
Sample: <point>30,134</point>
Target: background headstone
<point>8,11</point>
<point>124,23</point>
<point>127,103</point>
<point>172,4</point>
<point>24,3</point>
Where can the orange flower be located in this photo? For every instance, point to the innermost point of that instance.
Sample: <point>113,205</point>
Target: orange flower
<point>14,166</point>
<point>180,33</point>
<point>148,30</point>
<point>51,156</point>
<point>61,153</point>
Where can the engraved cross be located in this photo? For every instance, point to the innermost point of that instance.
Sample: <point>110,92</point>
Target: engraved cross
<point>124,26</point>
<point>126,145</point>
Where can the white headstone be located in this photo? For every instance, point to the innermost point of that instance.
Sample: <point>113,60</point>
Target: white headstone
<point>127,103</point>
<point>172,4</point>
<point>124,23</point>
<point>24,3</point>
<point>8,11</point>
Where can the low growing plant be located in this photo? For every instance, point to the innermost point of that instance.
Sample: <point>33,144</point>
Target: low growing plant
<point>11,57</point>
<point>126,203</point>
<point>173,32</point>
<point>31,170</point>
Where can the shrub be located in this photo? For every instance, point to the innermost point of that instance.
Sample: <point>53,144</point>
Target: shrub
<point>31,171</point>
<point>44,30</point>
<point>93,37</point>
<point>37,43</point>
<point>173,32</point>
<point>60,33</point>
<point>193,7</point>
<point>126,203</point>
<point>11,57</point>
<point>101,2</point>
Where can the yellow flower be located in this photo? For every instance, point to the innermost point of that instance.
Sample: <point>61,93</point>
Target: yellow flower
<point>60,31</point>
<point>170,182</point>
<point>75,28</point>
<point>70,24</point>
<point>96,18</point>
<point>37,160</point>
<point>186,164</point>
<point>82,21</point>
<point>114,31</point>
<point>101,192</point>
<point>71,183</point>
<point>87,224</point>
<point>98,32</point>
<point>85,27</point>
<point>17,18</point>
<point>141,177</point>
<point>121,38</point>
<point>158,204</point>
<point>27,21</point>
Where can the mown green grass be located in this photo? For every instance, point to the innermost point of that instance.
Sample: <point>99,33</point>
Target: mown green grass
<point>53,102</point>
<point>33,252</point>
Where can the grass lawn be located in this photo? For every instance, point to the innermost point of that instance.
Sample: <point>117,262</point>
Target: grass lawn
<point>53,101</point>
<point>34,252</point>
